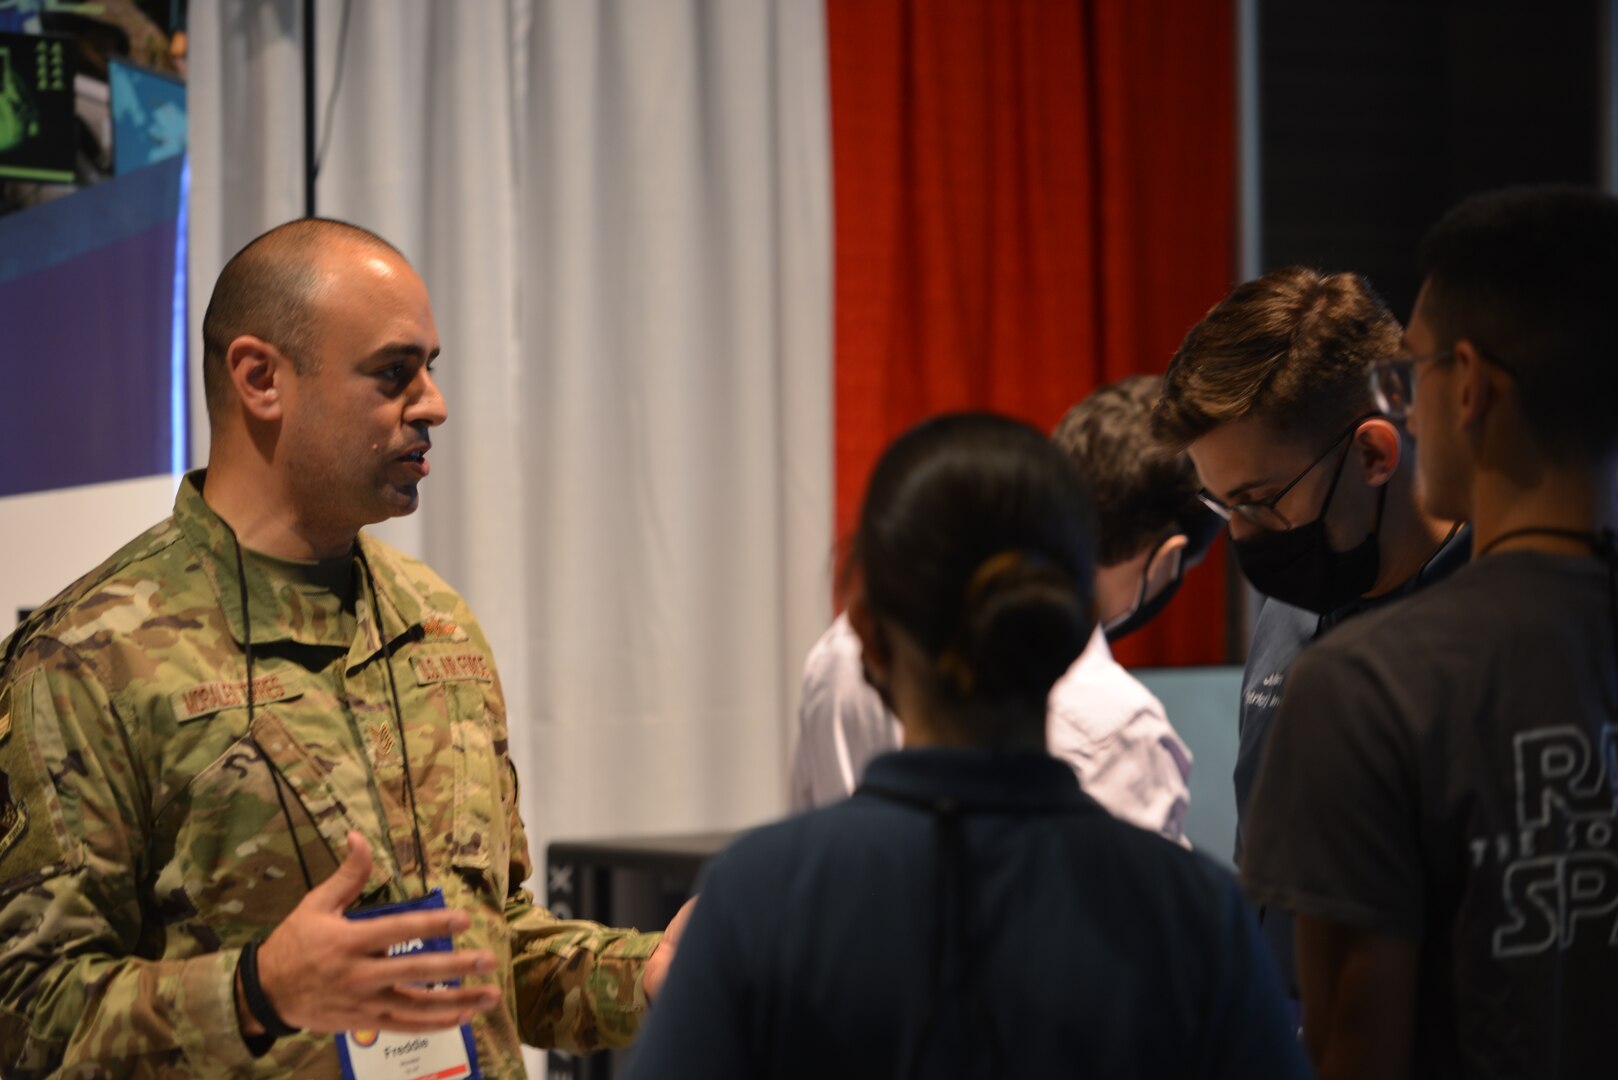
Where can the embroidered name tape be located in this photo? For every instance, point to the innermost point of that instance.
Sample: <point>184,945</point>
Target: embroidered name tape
<point>451,667</point>
<point>205,699</point>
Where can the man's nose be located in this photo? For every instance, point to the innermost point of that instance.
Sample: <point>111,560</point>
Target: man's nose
<point>429,406</point>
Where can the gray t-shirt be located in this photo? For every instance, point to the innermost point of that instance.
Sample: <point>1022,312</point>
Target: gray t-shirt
<point>1447,770</point>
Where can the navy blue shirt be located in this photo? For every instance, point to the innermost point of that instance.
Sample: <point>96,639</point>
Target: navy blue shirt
<point>1279,635</point>
<point>1036,936</point>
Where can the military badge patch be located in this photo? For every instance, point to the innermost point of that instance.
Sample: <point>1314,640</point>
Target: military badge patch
<point>382,740</point>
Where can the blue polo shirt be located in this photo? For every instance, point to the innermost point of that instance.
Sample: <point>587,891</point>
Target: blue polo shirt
<point>967,913</point>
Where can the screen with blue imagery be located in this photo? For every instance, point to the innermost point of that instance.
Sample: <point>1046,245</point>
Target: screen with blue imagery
<point>148,116</point>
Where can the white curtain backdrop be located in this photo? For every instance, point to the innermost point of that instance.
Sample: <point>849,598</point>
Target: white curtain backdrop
<point>622,211</point>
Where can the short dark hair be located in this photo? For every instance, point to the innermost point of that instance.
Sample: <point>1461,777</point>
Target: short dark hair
<point>267,290</point>
<point>1142,490</point>
<point>975,539</point>
<point>1529,275</point>
<point>1293,348</point>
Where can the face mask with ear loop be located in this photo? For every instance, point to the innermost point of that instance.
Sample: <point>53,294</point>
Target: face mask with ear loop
<point>1299,567</point>
<point>1200,527</point>
<point>1145,608</point>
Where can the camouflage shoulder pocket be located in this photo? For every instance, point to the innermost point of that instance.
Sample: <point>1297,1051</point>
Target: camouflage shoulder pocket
<point>33,835</point>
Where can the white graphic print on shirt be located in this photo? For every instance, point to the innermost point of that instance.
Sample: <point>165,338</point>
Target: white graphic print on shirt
<point>1559,872</point>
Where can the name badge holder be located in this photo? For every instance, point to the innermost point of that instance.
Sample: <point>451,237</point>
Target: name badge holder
<point>449,1054</point>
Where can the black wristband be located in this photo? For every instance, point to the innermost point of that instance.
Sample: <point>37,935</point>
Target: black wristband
<point>257,1002</point>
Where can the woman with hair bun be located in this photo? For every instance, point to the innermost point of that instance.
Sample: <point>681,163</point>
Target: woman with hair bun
<point>969,912</point>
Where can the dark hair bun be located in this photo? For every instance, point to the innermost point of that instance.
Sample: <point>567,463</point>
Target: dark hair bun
<point>975,540</point>
<point>1023,623</point>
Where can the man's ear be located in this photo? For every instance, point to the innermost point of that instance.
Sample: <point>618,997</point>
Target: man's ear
<point>1166,551</point>
<point>1158,569</point>
<point>1475,378</point>
<point>257,371</point>
<point>1380,445</point>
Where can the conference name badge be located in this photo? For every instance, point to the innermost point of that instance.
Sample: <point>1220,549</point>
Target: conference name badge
<point>449,1054</point>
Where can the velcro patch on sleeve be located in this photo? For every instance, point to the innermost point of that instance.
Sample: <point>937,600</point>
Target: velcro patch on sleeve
<point>13,804</point>
<point>205,699</point>
<point>32,832</point>
<point>451,667</point>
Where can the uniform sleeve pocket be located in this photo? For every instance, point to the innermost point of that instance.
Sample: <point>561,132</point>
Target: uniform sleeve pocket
<point>480,841</point>
<point>35,842</point>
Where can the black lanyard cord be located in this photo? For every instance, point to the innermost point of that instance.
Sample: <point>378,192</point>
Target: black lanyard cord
<point>398,719</point>
<point>276,777</point>
<point>1604,544</point>
<point>949,881</point>
<point>1442,544</point>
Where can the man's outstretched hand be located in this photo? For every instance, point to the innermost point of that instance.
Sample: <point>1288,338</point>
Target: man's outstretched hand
<point>323,972</point>
<point>657,965</point>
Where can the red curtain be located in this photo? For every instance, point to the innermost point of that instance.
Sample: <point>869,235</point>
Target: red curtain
<point>1033,197</point>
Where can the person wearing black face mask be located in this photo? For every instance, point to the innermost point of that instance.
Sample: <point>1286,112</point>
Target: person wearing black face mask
<point>1268,394</point>
<point>1101,720</point>
<point>1297,564</point>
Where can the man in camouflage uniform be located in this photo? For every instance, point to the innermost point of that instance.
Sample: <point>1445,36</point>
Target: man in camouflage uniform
<point>160,808</point>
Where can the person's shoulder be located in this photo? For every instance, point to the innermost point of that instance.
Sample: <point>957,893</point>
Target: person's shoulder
<point>1162,869</point>
<point>444,612</point>
<point>835,695</point>
<point>1406,630</point>
<point>136,578</point>
<point>837,650</point>
<point>405,568</point>
<point>829,832</point>
<point>770,853</point>
<point>1098,696</point>
<point>1279,619</point>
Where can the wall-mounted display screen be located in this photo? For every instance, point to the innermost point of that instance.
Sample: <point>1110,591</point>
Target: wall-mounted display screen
<point>36,108</point>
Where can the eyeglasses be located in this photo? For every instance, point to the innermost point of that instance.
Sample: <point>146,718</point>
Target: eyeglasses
<point>1393,382</point>
<point>1263,512</point>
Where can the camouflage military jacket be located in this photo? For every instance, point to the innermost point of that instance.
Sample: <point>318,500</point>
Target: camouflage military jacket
<point>142,842</point>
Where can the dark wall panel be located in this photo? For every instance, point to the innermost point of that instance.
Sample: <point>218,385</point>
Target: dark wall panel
<point>1377,116</point>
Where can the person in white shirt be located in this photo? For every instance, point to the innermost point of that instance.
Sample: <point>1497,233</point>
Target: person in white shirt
<point>1108,727</point>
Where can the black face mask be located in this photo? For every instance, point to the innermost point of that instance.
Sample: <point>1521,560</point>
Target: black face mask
<point>1298,567</point>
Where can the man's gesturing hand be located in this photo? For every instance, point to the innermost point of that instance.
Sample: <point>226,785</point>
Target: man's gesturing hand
<point>323,972</point>
<point>657,965</point>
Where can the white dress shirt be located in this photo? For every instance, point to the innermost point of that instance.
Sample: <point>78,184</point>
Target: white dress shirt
<point>1109,728</point>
